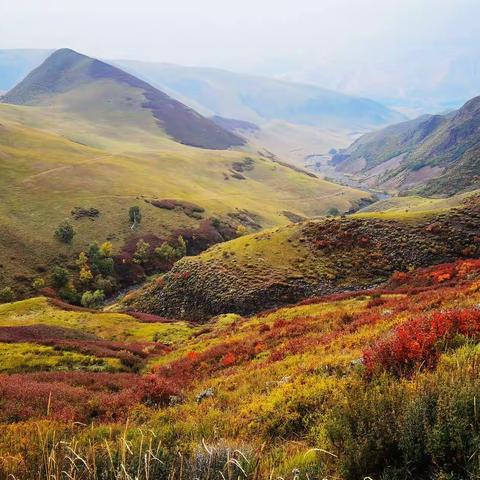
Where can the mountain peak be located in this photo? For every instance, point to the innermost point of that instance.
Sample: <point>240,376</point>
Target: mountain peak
<point>66,70</point>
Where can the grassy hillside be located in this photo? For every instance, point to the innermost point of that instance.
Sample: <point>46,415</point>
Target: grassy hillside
<point>432,155</point>
<point>379,384</point>
<point>45,175</point>
<point>284,265</point>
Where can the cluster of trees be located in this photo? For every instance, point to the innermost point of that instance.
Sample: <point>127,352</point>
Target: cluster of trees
<point>65,232</point>
<point>165,253</point>
<point>95,277</point>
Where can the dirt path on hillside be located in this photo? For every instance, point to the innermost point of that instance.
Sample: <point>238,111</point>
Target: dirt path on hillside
<point>63,167</point>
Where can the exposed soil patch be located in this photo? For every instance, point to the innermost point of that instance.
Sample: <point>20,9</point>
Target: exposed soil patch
<point>190,209</point>
<point>80,212</point>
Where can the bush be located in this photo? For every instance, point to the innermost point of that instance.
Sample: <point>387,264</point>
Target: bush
<point>60,277</point>
<point>166,253</point>
<point>65,232</point>
<point>38,284</point>
<point>419,342</point>
<point>141,253</point>
<point>181,248</point>
<point>70,294</point>
<point>92,299</point>
<point>7,295</point>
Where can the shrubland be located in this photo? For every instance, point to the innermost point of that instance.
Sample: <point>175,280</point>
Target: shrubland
<point>380,383</point>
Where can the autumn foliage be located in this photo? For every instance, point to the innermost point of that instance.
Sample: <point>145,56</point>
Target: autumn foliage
<point>419,342</point>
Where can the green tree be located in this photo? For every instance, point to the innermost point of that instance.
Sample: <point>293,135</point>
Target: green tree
<point>65,232</point>
<point>333,212</point>
<point>100,263</point>
<point>92,299</point>
<point>166,252</point>
<point>182,247</point>
<point>60,277</point>
<point>7,295</point>
<point>141,253</point>
<point>135,216</point>
<point>38,284</point>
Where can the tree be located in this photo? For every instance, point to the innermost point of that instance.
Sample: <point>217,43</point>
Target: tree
<point>65,232</point>
<point>60,277</point>
<point>38,284</point>
<point>141,253</point>
<point>106,249</point>
<point>182,247</point>
<point>86,275</point>
<point>166,252</point>
<point>99,262</point>
<point>333,212</point>
<point>135,216</point>
<point>92,299</point>
<point>7,295</point>
<point>82,260</point>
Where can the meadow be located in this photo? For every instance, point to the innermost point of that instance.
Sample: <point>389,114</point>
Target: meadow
<point>380,383</point>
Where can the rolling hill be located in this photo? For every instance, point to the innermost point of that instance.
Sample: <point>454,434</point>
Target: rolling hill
<point>431,155</point>
<point>294,262</point>
<point>91,144</point>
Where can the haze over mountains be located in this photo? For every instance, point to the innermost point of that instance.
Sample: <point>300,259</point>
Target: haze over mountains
<point>78,79</point>
<point>296,120</point>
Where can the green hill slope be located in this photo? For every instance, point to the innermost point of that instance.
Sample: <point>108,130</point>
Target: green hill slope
<point>45,176</point>
<point>433,155</point>
<point>287,264</point>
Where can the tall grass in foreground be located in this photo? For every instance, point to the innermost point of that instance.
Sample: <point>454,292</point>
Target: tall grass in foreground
<point>133,455</point>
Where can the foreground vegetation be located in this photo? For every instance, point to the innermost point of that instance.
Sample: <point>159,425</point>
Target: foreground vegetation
<point>381,383</point>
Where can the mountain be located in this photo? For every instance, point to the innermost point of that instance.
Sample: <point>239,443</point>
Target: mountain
<point>294,120</point>
<point>431,155</point>
<point>260,99</point>
<point>73,78</point>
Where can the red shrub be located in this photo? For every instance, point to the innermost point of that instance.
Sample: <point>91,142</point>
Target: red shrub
<point>419,342</point>
<point>79,396</point>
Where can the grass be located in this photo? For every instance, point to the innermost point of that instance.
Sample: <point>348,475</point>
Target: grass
<point>413,206</point>
<point>289,392</point>
<point>105,325</point>
<point>47,170</point>
<point>26,357</point>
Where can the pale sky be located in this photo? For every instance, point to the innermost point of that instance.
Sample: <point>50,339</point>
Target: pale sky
<point>389,47</point>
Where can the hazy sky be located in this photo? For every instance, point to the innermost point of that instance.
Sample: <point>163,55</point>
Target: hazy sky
<point>391,47</point>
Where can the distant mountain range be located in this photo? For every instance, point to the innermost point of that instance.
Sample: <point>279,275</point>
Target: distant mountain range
<point>250,98</point>
<point>261,99</point>
<point>431,155</point>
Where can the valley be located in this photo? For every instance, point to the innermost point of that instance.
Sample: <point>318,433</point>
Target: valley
<point>223,276</point>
